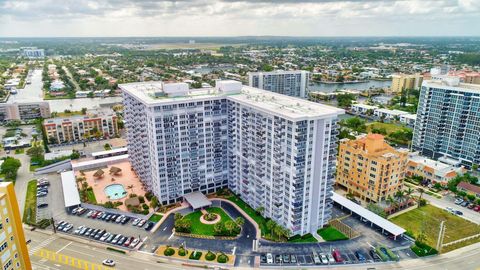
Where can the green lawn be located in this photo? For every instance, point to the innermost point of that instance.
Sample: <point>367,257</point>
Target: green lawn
<point>387,126</point>
<point>205,229</point>
<point>259,219</point>
<point>91,196</point>
<point>155,218</point>
<point>429,217</point>
<point>34,167</point>
<point>331,234</point>
<point>19,151</point>
<point>30,212</point>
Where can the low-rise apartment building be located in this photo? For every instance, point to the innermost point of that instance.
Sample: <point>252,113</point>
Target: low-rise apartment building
<point>24,111</point>
<point>370,168</point>
<point>433,171</point>
<point>79,128</point>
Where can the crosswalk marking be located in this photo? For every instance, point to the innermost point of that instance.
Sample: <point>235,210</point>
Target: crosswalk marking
<point>69,260</point>
<point>43,244</point>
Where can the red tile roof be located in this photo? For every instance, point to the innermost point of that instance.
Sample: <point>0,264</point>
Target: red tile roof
<point>469,187</point>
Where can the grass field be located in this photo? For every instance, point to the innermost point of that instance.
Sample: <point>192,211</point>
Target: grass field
<point>429,218</point>
<point>155,218</point>
<point>204,229</point>
<point>30,211</point>
<point>259,219</point>
<point>91,196</point>
<point>387,126</point>
<point>331,234</point>
<point>307,238</point>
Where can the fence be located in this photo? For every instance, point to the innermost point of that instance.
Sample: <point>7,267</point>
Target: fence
<point>344,228</point>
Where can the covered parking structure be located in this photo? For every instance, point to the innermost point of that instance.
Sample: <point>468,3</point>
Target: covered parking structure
<point>197,200</point>
<point>368,215</point>
<point>70,191</point>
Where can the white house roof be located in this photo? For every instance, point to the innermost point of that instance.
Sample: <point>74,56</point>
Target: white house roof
<point>70,191</point>
<point>368,215</point>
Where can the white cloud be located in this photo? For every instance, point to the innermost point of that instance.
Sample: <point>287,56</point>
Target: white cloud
<point>238,17</point>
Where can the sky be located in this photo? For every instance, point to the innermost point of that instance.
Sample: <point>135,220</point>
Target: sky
<point>78,18</point>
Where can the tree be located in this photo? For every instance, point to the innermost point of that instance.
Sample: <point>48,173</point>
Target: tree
<point>218,228</point>
<point>35,152</point>
<point>278,230</point>
<point>345,100</point>
<point>271,225</point>
<point>84,111</point>
<point>260,210</point>
<point>240,221</point>
<point>154,202</point>
<point>400,196</point>
<point>421,191</point>
<point>230,225</point>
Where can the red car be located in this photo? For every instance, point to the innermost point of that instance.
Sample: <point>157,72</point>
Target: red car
<point>477,208</point>
<point>337,256</point>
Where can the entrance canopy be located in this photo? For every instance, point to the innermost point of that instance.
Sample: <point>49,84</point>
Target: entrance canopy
<point>197,200</point>
<point>388,226</point>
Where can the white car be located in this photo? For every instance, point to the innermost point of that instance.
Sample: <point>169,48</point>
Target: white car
<point>135,222</point>
<point>134,243</point>
<point>105,236</point>
<point>330,258</point>
<point>323,258</point>
<point>450,209</point>
<point>78,229</point>
<point>141,223</point>
<point>269,258</point>
<point>68,227</point>
<point>108,262</point>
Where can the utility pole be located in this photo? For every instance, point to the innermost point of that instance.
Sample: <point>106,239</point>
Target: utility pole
<point>53,226</point>
<point>441,235</point>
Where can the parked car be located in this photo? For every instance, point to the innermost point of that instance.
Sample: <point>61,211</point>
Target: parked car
<point>115,240</point>
<point>129,240</point>
<point>42,205</point>
<point>471,206</point>
<point>67,227</point>
<point>476,208</point>
<point>141,223</point>
<point>293,258</point>
<point>286,258</point>
<point>449,209</point>
<point>105,236</point>
<point>337,255</point>
<point>122,240</point>
<point>316,258</point>
<point>94,232</point>
<point>323,258</point>
<point>263,258</point>
<point>119,219</point>
<point>464,204</point>
<point>99,234</point>
<point>330,258</point>
<point>149,226</point>
<point>126,220</point>
<point>134,243</point>
<point>78,230</point>
<point>459,213</point>
<point>360,256</point>
<point>458,201</point>
<point>90,213</point>
<point>41,194</point>
<point>374,255</point>
<point>278,259</point>
<point>110,238</point>
<point>269,258</point>
<point>88,232</point>
<point>60,224</point>
<point>135,222</point>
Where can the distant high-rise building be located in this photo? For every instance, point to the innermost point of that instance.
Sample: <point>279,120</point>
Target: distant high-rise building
<point>33,52</point>
<point>448,120</point>
<point>370,168</point>
<point>274,151</point>
<point>290,83</point>
<point>13,247</point>
<point>402,82</point>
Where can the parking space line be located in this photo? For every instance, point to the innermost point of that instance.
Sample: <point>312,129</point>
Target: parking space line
<point>64,247</point>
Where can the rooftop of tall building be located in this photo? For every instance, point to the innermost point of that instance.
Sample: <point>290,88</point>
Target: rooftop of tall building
<point>158,93</point>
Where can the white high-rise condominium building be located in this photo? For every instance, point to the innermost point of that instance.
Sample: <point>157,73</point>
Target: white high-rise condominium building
<point>448,120</point>
<point>291,83</point>
<point>274,151</point>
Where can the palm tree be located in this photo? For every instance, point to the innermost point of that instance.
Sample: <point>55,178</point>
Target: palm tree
<point>240,221</point>
<point>391,202</point>
<point>421,191</point>
<point>287,233</point>
<point>270,226</point>
<point>408,192</point>
<point>230,225</point>
<point>278,230</point>
<point>400,196</point>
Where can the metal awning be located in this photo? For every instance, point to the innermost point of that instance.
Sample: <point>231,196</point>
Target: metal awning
<point>70,191</point>
<point>197,200</point>
<point>368,215</point>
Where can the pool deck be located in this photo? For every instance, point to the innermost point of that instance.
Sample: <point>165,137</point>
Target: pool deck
<point>126,177</point>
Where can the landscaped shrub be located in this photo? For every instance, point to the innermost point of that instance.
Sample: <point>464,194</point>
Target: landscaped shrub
<point>382,255</point>
<point>149,195</point>
<point>169,251</point>
<point>182,251</point>
<point>195,255</point>
<point>222,258</point>
<point>141,199</point>
<point>210,256</point>
<point>210,216</point>
<point>422,249</point>
<point>145,207</point>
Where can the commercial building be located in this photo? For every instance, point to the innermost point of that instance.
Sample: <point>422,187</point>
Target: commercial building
<point>274,151</point>
<point>79,128</point>
<point>24,110</point>
<point>432,171</point>
<point>290,83</point>
<point>448,121</point>
<point>370,168</point>
<point>13,247</point>
<point>402,82</point>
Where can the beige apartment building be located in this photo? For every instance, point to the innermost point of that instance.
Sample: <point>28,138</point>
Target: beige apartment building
<point>24,110</point>
<point>370,168</point>
<point>402,82</point>
<point>13,247</point>
<point>78,128</point>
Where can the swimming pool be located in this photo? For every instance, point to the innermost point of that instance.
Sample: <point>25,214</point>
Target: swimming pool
<point>115,191</point>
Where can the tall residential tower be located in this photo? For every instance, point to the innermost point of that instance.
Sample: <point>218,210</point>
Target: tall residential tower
<point>274,151</point>
<point>291,83</point>
<point>448,121</point>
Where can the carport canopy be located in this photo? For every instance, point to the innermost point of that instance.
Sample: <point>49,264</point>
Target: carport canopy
<point>70,191</point>
<point>197,200</point>
<point>381,222</point>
